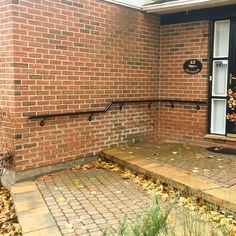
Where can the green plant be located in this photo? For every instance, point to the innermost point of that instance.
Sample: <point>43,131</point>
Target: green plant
<point>155,222</point>
<point>152,223</point>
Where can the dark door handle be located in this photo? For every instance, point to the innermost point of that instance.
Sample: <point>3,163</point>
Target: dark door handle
<point>231,78</point>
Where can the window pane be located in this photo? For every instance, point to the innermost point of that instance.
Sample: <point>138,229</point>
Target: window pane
<point>221,38</point>
<point>218,116</point>
<point>220,75</point>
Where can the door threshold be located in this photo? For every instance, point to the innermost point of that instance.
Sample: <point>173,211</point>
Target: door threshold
<point>231,135</point>
<point>221,137</point>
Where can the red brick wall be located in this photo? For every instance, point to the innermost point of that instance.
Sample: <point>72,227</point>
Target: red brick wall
<point>180,42</point>
<point>78,55</point>
<point>65,56</point>
<point>6,78</point>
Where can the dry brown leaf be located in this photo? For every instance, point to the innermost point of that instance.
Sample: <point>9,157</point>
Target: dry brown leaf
<point>8,219</point>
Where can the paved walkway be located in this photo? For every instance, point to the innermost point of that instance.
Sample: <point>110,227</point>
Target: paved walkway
<point>210,175</point>
<point>197,160</point>
<point>85,202</point>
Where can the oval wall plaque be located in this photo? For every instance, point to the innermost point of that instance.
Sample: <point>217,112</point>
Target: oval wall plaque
<point>192,66</point>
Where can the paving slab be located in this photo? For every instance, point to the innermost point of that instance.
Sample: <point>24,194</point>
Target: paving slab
<point>32,211</point>
<point>211,176</point>
<point>51,231</point>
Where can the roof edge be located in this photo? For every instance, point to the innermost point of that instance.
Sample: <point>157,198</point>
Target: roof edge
<point>184,5</point>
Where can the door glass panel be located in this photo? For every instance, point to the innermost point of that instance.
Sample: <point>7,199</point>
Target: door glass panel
<point>221,38</point>
<point>220,74</point>
<point>218,116</point>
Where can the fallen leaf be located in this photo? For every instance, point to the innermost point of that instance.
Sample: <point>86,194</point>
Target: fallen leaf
<point>69,228</point>
<point>56,188</point>
<point>222,222</point>
<point>69,225</point>
<point>79,186</point>
<point>192,208</point>
<point>198,155</point>
<point>61,199</point>
<point>170,219</point>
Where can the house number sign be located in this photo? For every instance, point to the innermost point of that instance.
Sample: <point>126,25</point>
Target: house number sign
<point>192,66</point>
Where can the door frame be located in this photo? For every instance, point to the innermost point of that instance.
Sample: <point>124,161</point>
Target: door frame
<point>210,96</point>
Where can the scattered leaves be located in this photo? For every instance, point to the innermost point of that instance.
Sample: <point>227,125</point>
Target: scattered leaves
<point>8,220</point>
<point>155,186</point>
<point>231,116</point>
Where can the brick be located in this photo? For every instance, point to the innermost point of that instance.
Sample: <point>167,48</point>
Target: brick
<point>61,47</point>
<point>15,1</point>
<point>67,56</point>
<point>17,81</point>
<point>69,3</point>
<point>18,136</point>
<point>35,76</point>
<point>21,65</point>
<point>30,145</point>
<point>75,4</point>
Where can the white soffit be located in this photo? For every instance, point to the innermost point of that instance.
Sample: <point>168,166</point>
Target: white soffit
<point>185,5</point>
<point>137,4</point>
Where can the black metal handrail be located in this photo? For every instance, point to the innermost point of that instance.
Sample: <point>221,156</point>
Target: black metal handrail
<point>121,103</point>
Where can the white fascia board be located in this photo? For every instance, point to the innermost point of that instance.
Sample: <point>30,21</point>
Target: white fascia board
<point>136,4</point>
<point>185,5</point>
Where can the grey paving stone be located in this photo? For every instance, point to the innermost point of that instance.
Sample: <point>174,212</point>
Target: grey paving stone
<point>95,205</point>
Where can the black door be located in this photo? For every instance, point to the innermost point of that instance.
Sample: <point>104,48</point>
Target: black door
<point>223,78</point>
<point>231,106</point>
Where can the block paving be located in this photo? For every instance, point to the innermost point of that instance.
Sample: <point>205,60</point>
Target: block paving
<point>194,159</point>
<point>87,201</point>
<point>84,202</point>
